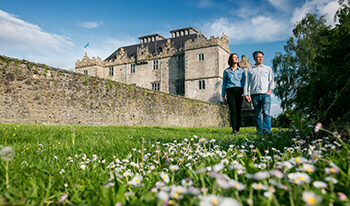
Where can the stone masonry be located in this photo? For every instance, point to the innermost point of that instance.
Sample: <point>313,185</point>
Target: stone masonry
<point>32,93</point>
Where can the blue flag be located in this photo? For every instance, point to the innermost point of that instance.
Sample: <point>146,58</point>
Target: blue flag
<point>86,45</point>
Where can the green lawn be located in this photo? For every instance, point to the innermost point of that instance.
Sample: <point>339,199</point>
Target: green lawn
<point>90,165</point>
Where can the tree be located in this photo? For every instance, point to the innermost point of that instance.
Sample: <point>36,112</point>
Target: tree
<point>315,66</point>
<point>295,68</point>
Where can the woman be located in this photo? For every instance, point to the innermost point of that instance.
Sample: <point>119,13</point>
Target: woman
<point>232,91</point>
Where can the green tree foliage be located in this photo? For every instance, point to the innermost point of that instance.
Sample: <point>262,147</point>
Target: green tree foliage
<point>315,65</point>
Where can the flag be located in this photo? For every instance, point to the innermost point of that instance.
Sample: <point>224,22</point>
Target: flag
<point>86,45</point>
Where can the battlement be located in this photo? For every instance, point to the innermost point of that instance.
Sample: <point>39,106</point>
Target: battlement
<point>87,61</point>
<point>202,41</point>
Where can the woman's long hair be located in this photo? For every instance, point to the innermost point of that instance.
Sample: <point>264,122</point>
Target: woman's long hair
<point>230,60</point>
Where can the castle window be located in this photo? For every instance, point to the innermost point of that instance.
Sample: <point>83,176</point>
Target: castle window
<point>111,71</point>
<point>132,68</point>
<point>200,57</point>
<point>180,87</point>
<point>86,72</point>
<point>180,60</point>
<point>201,84</point>
<point>155,86</point>
<point>155,64</point>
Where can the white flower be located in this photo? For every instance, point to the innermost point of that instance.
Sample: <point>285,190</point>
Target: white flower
<point>218,167</point>
<point>174,168</point>
<point>136,181</point>
<point>259,175</point>
<point>165,177</point>
<point>229,202</point>
<point>298,178</point>
<point>319,184</point>
<point>308,168</point>
<point>82,167</point>
<point>331,179</point>
<point>7,153</point>
<point>163,195</point>
<point>277,173</point>
<point>237,185</point>
<point>262,166</point>
<point>310,198</point>
<point>318,126</point>
<point>127,174</point>
<point>333,170</point>
<point>187,182</point>
<point>299,160</point>
<point>210,200</point>
<point>259,186</point>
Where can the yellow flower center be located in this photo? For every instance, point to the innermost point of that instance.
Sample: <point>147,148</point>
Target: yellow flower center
<point>137,180</point>
<point>176,195</point>
<point>301,178</point>
<point>171,202</point>
<point>332,170</point>
<point>259,186</point>
<point>311,200</point>
<point>215,202</point>
<point>236,185</point>
<point>315,157</point>
<point>309,169</point>
<point>164,176</point>
<point>297,159</point>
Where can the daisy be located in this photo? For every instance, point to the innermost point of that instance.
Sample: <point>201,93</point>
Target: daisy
<point>229,202</point>
<point>210,200</point>
<point>333,170</point>
<point>310,198</point>
<point>298,178</point>
<point>320,184</point>
<point>308,168</point>
<point>237,185</point>
<point>163,195</point>
<point>174,168</point>
<point>136,181</point>
<point>187,182</point>
<point>259,175</point>
<point>165,177</point>
<point>259,186</point>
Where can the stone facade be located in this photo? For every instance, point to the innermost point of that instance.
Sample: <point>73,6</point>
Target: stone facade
<point>33,93</point>
<point>187,64</point>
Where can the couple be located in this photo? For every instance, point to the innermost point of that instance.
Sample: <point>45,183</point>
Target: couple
<point>236,84</point>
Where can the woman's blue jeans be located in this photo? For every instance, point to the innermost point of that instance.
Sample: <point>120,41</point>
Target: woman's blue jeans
<point>262,106</point>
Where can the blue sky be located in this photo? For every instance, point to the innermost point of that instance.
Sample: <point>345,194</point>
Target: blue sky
<point>54,32</point>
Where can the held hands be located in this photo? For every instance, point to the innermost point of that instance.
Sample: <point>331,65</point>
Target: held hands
<point>247,98</point>
<point>224,100</point>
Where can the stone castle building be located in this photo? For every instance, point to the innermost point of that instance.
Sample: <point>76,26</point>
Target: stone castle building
<point>187,64</point>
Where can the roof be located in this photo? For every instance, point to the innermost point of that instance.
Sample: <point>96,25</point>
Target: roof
<point>153,46</point>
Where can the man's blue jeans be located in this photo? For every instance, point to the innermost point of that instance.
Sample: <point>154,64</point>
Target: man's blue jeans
<point>262,106</point>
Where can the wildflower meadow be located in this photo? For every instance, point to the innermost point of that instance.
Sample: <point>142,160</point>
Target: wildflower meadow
<point>87,165</point>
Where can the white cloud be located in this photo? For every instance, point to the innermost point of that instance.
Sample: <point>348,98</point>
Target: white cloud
<point>91,24</point>
<point>255,30</point>
<point>321,7</point>
<point>275,110</point>
<point>16,34</point>
<point>283,5</point>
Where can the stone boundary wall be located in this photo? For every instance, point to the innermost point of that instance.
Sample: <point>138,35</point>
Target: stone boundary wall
<point>32,93</point>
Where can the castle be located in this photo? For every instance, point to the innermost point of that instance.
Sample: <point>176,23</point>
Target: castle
<point>187,64</point>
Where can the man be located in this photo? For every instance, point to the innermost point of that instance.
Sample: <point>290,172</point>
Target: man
<point>261,82</point>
